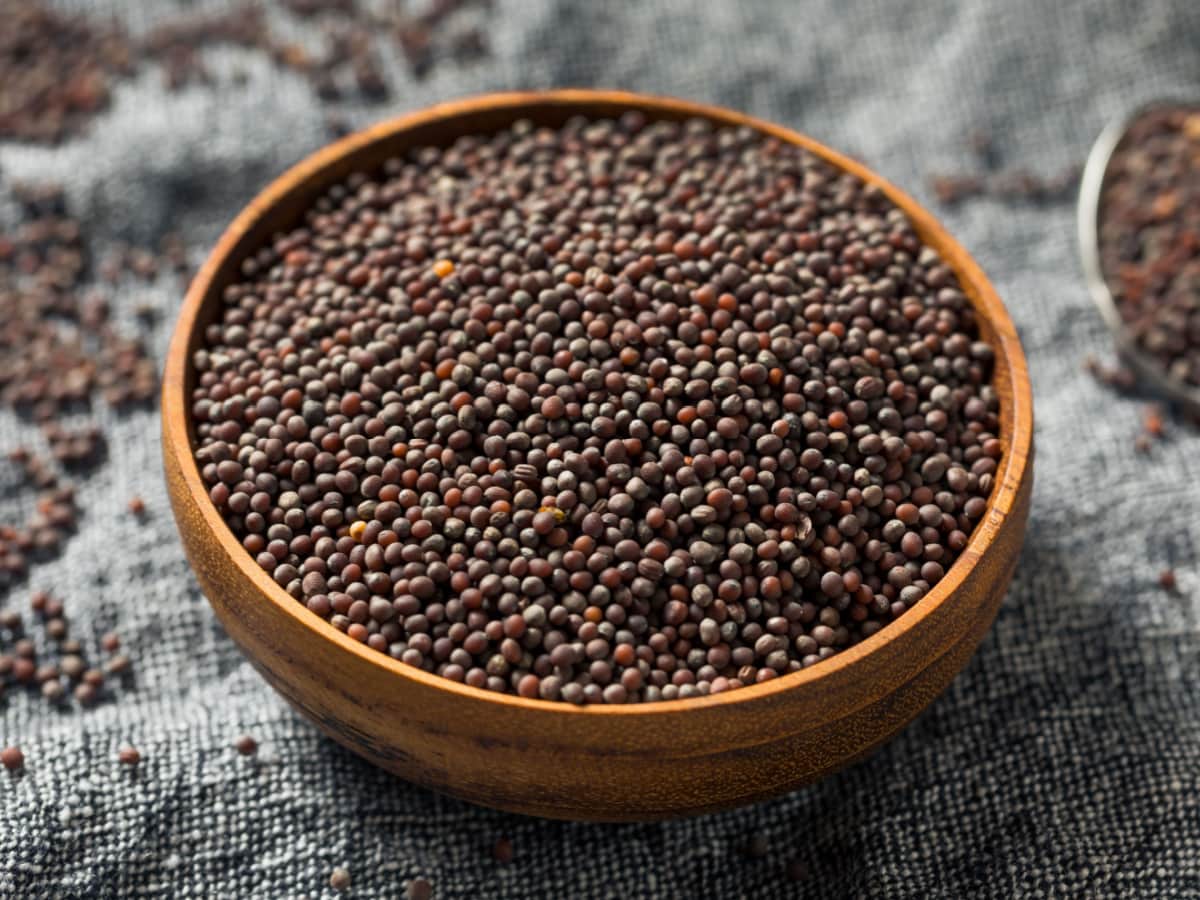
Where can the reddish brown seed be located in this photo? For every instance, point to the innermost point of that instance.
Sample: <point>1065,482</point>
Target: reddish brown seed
<point>85,693</point>
<point>53,690</point>
<point>110,641</point>
<point>758,846</point>
<point>245,745</point>
<point>23,670</point>
<point>339,879</point>
<point>1167,580</point>
<point>502,851</point>
<point>12,758</point>
<point>129,756</point>
<point>73,666</point>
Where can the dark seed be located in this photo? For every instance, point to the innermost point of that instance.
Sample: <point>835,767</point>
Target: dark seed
<point>339,879</point>
<point>502,851</point>
<point>758,846</point>
<point>12,758</point>
<point>246,745</point>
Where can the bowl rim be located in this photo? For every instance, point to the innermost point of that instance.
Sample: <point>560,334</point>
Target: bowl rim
<point>176,403</point>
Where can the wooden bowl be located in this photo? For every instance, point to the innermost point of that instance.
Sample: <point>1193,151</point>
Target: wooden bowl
<point>614,763</point>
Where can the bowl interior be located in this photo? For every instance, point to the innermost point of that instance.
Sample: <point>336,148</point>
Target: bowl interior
<point>283,204</point>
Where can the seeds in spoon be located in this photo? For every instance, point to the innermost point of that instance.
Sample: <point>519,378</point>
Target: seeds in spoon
<point>1149,236</point>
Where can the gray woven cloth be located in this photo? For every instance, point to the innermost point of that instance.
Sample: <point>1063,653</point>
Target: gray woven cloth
<point>1064,761</point>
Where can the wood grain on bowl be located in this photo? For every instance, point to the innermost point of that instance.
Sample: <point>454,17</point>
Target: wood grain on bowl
<point>552,759</point>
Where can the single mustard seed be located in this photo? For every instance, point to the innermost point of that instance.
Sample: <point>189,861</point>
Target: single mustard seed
<point>339,879</point>
<point>502,850</point>
<point>758,846</point>
<point>12,758</point>
<point>246,745</point>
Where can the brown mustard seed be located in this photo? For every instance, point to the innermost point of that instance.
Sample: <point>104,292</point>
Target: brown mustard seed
<point>1149,237</point>
<point>1167,580</point>
<point>758,846</point>
<point>137,506</point>
<point>24,670</point>
<point>418,889</point>
<point>129,756</point>
<point>73,666</point>
<point>53,690</point>
<point>12,758</point>
<point>646,435</point>
<point>339,879</point>
<point>246,745</point>
<point>502,851</point>
<point>85,693</point>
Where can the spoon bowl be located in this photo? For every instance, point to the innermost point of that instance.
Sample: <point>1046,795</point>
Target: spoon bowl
<point>1091,189</point>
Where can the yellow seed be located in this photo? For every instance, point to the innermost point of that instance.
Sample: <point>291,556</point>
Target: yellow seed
<point>357,529</point>
<point>559,515</point>
<point>442,268</point>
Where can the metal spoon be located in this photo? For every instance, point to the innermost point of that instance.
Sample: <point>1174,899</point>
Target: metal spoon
<point>1148,370</point>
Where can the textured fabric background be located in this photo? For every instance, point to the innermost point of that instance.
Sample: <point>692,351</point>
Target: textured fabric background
<point>1065,760</point>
